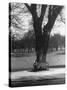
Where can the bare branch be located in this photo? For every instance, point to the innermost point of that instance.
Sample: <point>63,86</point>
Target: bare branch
<point>50,12</point>
<point>52,15</point>
<point>53,12</point>
<point>29,7</point>
<point>57,10</point>
<point>43,10</point>
<point>32,9</point>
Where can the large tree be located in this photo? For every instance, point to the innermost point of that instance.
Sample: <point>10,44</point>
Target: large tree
<point>42,31</point>
<point>42,34</point>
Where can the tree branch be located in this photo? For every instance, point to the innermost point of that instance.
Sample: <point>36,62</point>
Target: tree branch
<point>52,17</point>
<point>43,10</point>
<point>29,7</point>
<point>32,9</point>
<point>57,10</point>
<point>55,14</point>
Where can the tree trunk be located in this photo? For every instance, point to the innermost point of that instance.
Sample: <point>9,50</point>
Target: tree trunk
<point>42,41</point>
<point>45,45</point>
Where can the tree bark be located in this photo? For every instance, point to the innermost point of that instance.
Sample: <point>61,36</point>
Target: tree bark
<point>42,41</point>
<point>46,36</point>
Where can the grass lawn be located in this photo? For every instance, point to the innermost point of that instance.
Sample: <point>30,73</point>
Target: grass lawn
<point>53,58</point>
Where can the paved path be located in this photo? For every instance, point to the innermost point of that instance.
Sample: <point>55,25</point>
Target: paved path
<point>27,75</point>
<point>27,78</point>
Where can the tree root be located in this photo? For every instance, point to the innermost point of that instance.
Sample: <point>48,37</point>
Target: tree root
<point>40,66</point>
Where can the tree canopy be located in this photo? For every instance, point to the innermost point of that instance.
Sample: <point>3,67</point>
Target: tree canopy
<point>20,18</point>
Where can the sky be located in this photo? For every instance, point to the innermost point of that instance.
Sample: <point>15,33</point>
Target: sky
<point>59,29</point>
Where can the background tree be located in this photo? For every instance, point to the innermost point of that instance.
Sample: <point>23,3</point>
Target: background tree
<point>57,41</point>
